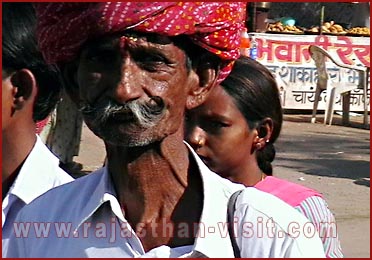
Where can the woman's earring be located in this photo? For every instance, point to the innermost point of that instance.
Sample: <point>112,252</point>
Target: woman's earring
<point>200,143</point>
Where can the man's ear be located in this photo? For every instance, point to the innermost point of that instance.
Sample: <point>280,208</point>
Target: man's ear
<point>24,88</point>
<point>207,78</point>
<point>69,77</point>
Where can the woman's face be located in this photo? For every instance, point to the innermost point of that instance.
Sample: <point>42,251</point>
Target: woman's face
<point>220,135</point>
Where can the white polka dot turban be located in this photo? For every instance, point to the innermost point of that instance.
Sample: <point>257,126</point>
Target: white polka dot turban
<point>64,27</point>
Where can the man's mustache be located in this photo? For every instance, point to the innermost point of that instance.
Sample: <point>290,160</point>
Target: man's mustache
<point>144,113</point>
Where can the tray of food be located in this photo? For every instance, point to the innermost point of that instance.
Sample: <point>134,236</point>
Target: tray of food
<point>328,28</point>
<point>285,32</point>
<point>312,31</point>
<point>359,32</point>
<point>334,33</point>
<point>279,28</point>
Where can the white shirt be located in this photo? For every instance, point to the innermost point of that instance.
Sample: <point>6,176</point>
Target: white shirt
<point>93,224</point>
<point>39,173</point>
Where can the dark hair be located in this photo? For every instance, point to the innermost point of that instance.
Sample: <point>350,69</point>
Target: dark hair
<point>20,51</point>
<point>255,93</point>
<point>197,57</point>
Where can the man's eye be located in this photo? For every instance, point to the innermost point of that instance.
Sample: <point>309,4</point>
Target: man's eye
<point>151,62</point>
<point>217,124</point>
<point>153,59</point>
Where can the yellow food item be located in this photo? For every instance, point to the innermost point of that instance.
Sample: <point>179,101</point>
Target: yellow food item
<point>338,27</point>
<point>279,27</point>
<point>332,27</point>
<point>359,30</point>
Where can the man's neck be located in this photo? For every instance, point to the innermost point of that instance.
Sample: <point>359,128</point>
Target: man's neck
<point>17,143</point>
<point>151,183</point>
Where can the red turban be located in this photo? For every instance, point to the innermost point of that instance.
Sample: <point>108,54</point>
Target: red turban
<point>64,27</point>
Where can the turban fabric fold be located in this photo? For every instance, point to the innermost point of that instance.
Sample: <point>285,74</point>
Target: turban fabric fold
<point>64,27</point>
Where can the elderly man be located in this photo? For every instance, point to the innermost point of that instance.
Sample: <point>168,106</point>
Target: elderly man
<point>134,68</point>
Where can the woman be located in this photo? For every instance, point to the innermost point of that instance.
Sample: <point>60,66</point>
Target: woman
<point>234,133</point>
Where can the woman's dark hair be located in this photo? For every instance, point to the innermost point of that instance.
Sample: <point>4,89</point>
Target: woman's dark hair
<point>255,93</point>
<point>20,51</point>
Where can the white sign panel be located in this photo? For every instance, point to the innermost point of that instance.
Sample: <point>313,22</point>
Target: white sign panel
<point>287,57</point>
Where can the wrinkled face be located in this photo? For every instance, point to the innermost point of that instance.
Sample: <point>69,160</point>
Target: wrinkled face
<point>219,134</point>
<point>133,89</point>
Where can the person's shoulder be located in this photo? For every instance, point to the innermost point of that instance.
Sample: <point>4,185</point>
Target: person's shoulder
<point>253,196</point>
<point>44,162</point>
<point>292,193</point>
<point>316,209</point>
<point>252,199</point>
<point>62,177</point>
<point>39,173</point>
<point>217,185</point>
<point>211,180</point>
<point>285,183</point>
<point>56,201</point>
<point>281,225</point>
<point>77,188</point>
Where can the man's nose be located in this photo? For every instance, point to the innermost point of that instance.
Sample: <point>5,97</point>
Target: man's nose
<point>196,138</point>
<point>130,86</point>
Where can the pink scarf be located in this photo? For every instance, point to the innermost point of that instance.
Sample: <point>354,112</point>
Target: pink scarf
<point>289,192</point>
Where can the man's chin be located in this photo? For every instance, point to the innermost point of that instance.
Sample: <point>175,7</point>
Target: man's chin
<point>127,143</point>
<point>128,135</point>
<point>125,139</point>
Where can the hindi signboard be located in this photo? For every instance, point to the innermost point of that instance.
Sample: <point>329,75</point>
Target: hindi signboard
<point>287,57</point>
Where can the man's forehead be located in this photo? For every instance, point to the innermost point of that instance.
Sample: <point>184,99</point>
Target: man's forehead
<point>132,36</point>
<point>150,37</point>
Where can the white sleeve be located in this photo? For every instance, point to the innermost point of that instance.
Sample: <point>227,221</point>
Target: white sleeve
<point>268,227</point>
<point>316,210</point>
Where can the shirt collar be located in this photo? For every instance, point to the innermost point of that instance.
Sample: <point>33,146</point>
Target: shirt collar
<point>38,174</point>
<point>211,244</point>
<point>214,244</point>
<point>103,192</point>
